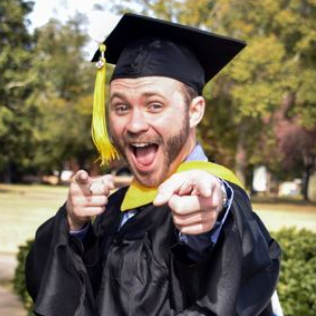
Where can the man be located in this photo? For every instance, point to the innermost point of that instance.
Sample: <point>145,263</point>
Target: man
<point>181,239</point>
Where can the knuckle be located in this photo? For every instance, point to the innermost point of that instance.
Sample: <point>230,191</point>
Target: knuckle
<point>199,230</point>
<point>177,221</point>
<point>78,212</point>
<point>209,205</point>
<point>209,226</point>
<point>177,209</point>
<point>98,210</point>
<point>104,200</point>
<point>177,205</point>
<point>217,197</point>
<point>210,217</point>
<point>200,217</point>
<point>74,191</point>
<point>76,203</point>
<point>84,205</point>
<point>80,201</point>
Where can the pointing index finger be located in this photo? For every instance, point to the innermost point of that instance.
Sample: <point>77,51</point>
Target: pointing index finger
<point>82,177</point>
<point>178,183</point>
<point>185,183</point>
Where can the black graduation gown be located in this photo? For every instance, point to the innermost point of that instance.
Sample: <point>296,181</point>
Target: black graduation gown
<point>142,269</point>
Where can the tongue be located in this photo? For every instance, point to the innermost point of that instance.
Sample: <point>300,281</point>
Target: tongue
<point>146,155</point>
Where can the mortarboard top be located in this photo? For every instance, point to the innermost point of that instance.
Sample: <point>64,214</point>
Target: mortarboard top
<point>212,51</point>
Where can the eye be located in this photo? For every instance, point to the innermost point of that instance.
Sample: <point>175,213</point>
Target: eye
<point>155,107</point>
<point>121,109</point>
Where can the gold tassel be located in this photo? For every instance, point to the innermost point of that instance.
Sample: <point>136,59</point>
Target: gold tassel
<point>99,129</point>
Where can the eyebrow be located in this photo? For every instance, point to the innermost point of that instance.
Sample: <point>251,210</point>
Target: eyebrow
<point>117,95</point>
<point>122,96</point>
<point>153,94</point>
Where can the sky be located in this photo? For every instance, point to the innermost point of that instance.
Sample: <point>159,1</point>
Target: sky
<point>100,23</point>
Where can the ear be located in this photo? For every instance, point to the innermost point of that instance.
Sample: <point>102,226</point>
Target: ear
<point>196,111</point>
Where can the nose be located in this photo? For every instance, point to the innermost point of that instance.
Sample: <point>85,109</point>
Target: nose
<point>137,122</point>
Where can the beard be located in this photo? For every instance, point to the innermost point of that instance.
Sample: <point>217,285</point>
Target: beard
<point>170,146</point>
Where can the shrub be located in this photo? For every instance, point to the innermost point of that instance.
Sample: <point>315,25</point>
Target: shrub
<point>19,277</point>
<point>297,283</point>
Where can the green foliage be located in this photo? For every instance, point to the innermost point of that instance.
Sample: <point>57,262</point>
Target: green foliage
<point>65,99</point>
<point>243,98</point>
<point>46,88</point>
<point>19,277</point>
<point>297,283</point>
<point>18,114</point>
<point>46,83</point>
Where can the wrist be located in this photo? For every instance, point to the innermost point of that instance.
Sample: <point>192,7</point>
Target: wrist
<point>224,199</point>
<point>75,225</point>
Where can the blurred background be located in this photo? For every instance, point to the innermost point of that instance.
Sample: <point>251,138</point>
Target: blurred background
<point>260,120</point>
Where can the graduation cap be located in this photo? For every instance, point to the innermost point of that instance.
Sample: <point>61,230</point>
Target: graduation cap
<point>141,46</point>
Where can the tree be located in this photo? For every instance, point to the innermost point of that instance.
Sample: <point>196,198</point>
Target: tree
<point>46,88</point>
<point>17,83</point>
<point>278,61</point>
<point>65,100</point>
<point>294,146</point>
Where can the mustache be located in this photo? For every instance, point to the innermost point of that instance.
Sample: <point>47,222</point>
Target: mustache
<point>129,138</point>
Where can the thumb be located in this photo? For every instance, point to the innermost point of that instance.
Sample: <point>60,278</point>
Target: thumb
<point>162,197</point>
<point>204,189</point>
<point>168,188</point>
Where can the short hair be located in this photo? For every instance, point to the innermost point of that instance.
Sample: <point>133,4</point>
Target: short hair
<point>189,93</point>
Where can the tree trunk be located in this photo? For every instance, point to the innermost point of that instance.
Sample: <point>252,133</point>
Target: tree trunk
<point>309,162</point>
<point>241,155</point>
<point>7,177</point>
<point>305,181</point>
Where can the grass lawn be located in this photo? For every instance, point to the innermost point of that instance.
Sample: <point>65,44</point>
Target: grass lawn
<point>278,213</point>
<point>23,208</point>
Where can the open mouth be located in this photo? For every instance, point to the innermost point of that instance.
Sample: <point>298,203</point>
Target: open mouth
<point>144,153</point>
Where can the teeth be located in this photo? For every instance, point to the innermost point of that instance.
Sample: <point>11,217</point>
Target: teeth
<point>140,145</point>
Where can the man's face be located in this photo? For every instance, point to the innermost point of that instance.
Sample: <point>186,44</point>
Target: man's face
<point>149,123</point>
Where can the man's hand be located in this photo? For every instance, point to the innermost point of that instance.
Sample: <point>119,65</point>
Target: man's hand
<point>87,198</point>
<point>195,199</point>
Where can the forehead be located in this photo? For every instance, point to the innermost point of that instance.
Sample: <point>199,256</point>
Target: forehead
<point>152,84</point>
